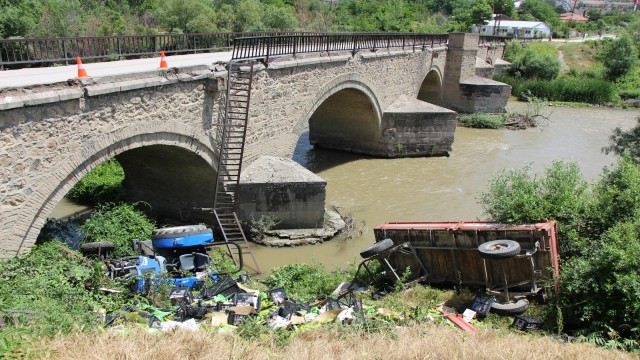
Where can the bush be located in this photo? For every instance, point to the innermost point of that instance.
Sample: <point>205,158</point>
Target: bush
<point>625,142</point>
<point>516,197</point>
<point>102,184</point>
<point>618,57</point>
<point>534,64</point>
<point>482,120</point>
<point>602,287</point>
<point>59,283</point>
<point>303,281</point>
<point>591,91</point>
<point>616,198</point>
<point>118,223</point>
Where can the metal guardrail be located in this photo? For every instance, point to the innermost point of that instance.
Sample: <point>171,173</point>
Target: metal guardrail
<point>66,49</point>
<point>16,53</point>
<point>265,47</point>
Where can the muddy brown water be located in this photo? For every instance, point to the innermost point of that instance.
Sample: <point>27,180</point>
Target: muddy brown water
<point>442,188</point>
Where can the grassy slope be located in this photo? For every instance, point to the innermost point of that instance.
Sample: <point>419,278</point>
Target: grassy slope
<point>414,342</point>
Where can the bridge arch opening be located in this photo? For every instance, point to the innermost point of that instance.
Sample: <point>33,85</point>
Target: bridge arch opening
<point>174,174</point>
<point>173,180</point>
<point>347,120</point>
<point>431,88</point>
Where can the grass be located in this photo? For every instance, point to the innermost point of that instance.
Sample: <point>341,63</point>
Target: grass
<point>422,341</point>
<point>578,55</point>
<point>482,120</point>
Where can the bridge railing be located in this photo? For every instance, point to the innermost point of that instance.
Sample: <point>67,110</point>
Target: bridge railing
<point>267,46</point>
<point>65,49</point>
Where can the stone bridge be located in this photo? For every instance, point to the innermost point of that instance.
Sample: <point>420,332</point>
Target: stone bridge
<point>162,126</point>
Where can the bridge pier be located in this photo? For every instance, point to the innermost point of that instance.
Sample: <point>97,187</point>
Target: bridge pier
<point>464,91</point>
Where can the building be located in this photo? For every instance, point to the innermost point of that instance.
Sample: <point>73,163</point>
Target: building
<point>513,28</point>
<point>569,16</point>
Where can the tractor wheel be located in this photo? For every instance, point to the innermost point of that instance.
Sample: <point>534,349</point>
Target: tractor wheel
<point>510,308</point>
<point>97,247</point>
<point>179,231</point>
<point>499,249</point>
<point>376,248</point>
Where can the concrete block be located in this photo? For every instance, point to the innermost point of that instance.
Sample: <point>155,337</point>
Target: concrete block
<point>133,84</point>
<point>41,98</point>
<point>11,102</point>
<point>70,94</point>
<point>102,89</point>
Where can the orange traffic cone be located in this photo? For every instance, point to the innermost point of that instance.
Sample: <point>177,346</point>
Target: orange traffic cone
<point>82,73</point>
<point>163,61</point>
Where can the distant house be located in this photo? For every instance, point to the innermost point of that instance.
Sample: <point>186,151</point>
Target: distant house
<point>569,16</point>
<point>521,29</point>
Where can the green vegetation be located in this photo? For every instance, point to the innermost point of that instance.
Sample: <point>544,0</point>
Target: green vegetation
<point>118,223</point>
<point>60,285</point>
<point>103,184</point>
<point>482,120</point>
<point>43,18</point>
<point>609,71</point>
<point>592,91</point>
<point>599,237</point>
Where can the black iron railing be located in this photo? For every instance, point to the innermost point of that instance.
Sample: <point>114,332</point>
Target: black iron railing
<point>267,46</point>
<point>64,50</point>
<point>44,51</point>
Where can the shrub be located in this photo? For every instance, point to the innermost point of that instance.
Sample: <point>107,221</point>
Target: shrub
<point>625,142</point>
<point>534,64</point>
<point>303,281</point>
<point>602,287</point>
<point>102,184</point>
<point>593,91</point>
<point>60,284</point>
<point>618,57</point>
<point>118,223</point>
<point>516,196</point>
<point>482,120</point>
<point>616,197</point>
<point>512,50</point>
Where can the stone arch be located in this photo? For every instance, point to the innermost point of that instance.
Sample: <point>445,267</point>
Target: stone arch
<point>431,87</point>
<point>345,114</point>
<point>62,180</point>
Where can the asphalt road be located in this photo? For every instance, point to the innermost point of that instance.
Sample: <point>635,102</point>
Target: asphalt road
<point>55,74</point>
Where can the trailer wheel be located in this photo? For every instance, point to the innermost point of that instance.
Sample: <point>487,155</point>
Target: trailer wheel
<point>499,249</point>
<point>510,308</point>
<point>179,231</point>
<point>376,248</point>
<point>96,247</point>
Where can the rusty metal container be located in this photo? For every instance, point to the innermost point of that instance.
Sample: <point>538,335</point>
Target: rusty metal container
<point>449,250</point>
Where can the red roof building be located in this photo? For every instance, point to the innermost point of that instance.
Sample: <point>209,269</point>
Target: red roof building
<point>569,16</point>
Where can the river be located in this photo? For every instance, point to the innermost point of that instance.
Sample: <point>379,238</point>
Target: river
<point>444,188</point>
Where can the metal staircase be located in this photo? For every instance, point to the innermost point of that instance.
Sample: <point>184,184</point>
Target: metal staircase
<point>233,132</point>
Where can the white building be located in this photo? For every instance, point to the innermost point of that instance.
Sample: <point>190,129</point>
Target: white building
<point>521,29</point>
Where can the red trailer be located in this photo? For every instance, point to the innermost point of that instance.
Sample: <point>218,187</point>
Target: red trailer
<point>450,251</point>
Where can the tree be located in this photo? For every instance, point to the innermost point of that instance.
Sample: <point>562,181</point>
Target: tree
<point>186,16</point>
<point>541,11</point>
<point>625,143</point>
<point>248,16</point>
<point>618,57</point>
<point>279,19</point>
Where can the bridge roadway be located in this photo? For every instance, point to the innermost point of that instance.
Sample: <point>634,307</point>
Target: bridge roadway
<point>55,74</point>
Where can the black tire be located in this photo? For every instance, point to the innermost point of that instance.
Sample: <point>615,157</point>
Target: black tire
<point>510,308</point>
<point>97,247</point>
<point>376,248</point>
<point>179,231</point>
<point>499,249</point>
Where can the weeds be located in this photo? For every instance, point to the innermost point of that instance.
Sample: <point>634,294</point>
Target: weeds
<point>103,184</point>
<point>482,120</point>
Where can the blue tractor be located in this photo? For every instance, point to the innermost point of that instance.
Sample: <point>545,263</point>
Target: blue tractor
<point>179,255</point>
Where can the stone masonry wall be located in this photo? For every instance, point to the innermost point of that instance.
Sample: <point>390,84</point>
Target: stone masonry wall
<point>286,95</point>
<point>50,138</point>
